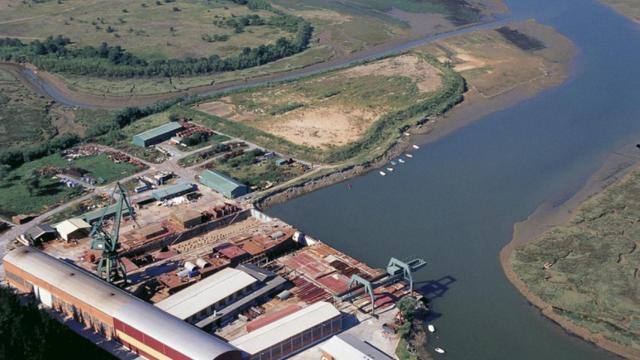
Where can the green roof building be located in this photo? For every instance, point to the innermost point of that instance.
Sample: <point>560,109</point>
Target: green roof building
<point>108,212</point>
<point>157,135</point>
<point>173,191</point>
<point>223,184</point>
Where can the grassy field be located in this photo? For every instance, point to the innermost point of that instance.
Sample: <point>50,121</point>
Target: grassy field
<point>24,118</point>
<point>628,8</point>
<point>27,118</point>
<point>370,113</point>
<point>162,29</point>
<point>15,195</point>
<point>588,269</point>
<point>340,28</point>
<point>334,109</point>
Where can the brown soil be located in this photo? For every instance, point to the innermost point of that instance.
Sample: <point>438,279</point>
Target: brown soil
<point>427,76</point>
<point>322,126</point>
<point>548,215</point>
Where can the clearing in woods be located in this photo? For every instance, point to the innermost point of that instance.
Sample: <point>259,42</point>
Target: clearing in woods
<point>333,109</point>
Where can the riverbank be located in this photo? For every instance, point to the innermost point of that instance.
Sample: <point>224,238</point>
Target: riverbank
<point>617,168</point>
<point>527,73</point>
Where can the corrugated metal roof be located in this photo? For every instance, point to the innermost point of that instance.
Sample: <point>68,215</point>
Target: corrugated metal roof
<point>287,327</point>
<point>108,211</point>
<point>39,230</point>
<point>160,130</point>
<point>206,292</point>
<point>167,329</point>
<point>70,225</point>
<point>172,190</point>
<point>220,182</point>
<point>348,347</point>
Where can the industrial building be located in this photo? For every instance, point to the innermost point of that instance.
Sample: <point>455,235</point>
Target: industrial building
<point>157,135</point>
<point>223,184</point>
<point>349,347</point>
<point>173,191</point>
<point>107,212</point>
<point>291,333</point>
<point>73,229</point>
<point>41,232</point>
<point>209,294</point>
<point>141,327</point>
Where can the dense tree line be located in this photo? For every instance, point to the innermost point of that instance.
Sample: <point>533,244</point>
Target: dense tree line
<point>29,333</point>
<point>54,54</point>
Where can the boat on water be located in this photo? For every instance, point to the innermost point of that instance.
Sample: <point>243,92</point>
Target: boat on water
<point>439,350</point>
<point>390,169</point>
<point>416,146</point>
<point>431,328</point>
<point>393,163</point>
<point>408,155</point>
<point>383,173</point>
<point>401,161</point>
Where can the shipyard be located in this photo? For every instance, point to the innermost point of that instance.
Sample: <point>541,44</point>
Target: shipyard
<point>168,256</point>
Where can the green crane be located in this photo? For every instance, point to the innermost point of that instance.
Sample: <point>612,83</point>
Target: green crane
<point>109,266</point>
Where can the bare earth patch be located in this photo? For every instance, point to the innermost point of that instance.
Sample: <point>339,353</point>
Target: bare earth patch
<point>323,126</point>
<point>426,76</point>
<point>333,109</point>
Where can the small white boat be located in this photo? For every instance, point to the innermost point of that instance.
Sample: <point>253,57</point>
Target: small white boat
<point>431,328</point>
<point>390,169</point>
<point>401,161</point>
<point>439,350</point>
<point>393,163</point>
<point>407,134</point>
<point>416,146</point>
<point>409,156</point>
<point>383,173</point>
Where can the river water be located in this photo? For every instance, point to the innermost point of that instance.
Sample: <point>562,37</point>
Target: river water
<point>455,203</point>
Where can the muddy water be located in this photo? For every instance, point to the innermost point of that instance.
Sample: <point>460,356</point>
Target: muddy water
<point>456,201</point>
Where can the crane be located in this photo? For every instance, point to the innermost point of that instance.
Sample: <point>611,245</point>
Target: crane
<point>109,266</point>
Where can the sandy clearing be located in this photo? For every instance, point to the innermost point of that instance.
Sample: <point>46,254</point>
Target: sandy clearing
<point>427,77</point>
<point>321,127</point>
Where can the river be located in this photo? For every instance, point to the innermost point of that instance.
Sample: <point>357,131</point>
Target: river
<point>456,201</point>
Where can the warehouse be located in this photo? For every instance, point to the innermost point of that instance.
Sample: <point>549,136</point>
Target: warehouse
<point>73,229</point>
<point>348,347</point>
<point>173,191</point>
<point>157,135</point>
<point>141,327</point>
<point>107,212</point>
<point>41,233</point>
<point>223,184</point>
<point>292,333</point>
<point>209,294</point>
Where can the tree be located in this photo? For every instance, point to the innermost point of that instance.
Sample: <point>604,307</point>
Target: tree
<point>33,182</point>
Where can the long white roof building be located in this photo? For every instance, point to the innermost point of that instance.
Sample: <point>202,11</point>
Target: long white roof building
<point>206,292</point>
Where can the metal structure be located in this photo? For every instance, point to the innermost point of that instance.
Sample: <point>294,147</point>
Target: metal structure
<point>109,266</point>
<point>396,269</point>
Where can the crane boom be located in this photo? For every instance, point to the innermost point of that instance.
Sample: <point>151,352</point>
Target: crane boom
<point>110,268</point>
